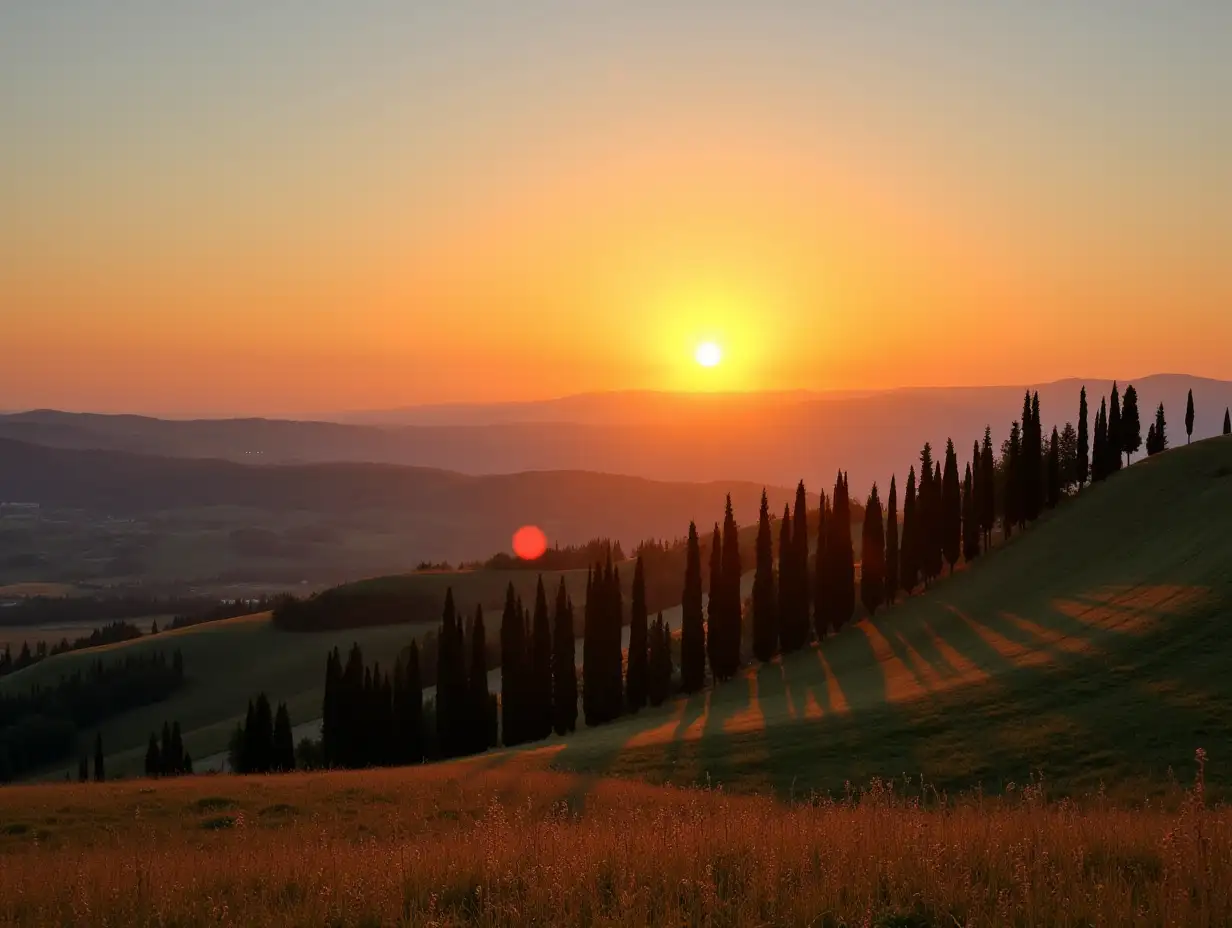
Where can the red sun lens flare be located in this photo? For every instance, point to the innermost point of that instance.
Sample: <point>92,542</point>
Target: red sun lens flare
<point>529,542</point>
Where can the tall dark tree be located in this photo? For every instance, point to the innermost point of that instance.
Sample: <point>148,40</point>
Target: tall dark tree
<point>412,715</point>
<point>1099,450</point>
<point>615,678</point>
<point>540,666</point>
<point>716,627</point>
<point>765,600</point>
<point>970,516</point>
<point>692,623</point>
<point>1189,417</point>
<point>872,555</point>
<point>637,676</point>
<point>153,758</point>
<point>928,516</point>
<point>1069,457</point>
<point>100,774</point>
<point>513,658</point>
<point>988,488</point>
<point>801,596</point>
<point>1032,459</point>
<point>908,564</point>
<point>283,755</point>
<point>842,557</point>
<point>1227,421</point>
<point>331,714</point>
<point>891,545</point>
<point>658,683</point>
<point>1084,441</point>
<point>951,508</point>
<point>479,698</point>
<point>1011,503</point>
<point>936,549</point>
<point>564,669</point>
<point>787,583</point>
<point>822,591</point>
<point>1054,469</point>
<point>452,699</point>
<point>1116,433</point>
<point>1131,424</point>
<point>732,600</point>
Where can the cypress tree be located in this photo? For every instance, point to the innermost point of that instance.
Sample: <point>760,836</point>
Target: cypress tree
<point>615,687</point>
<point>655,691</point>
<point>908,565</point>
<point>480,698</point>
<point>891,546</point>
<point>263,741</point>
<point>284,742</point>
<point>936,548</point>
<point>412,717</point>
<point>248,749</point>
<point>801,597</point>
<point>1150,441</point>
<point>988,488</point>
<point>153,758</point>
<point>99,773</point>
<point>787,585</point>
<point>1131,424</point>
<point>716,628</point>
<point>692,624</point>
<point>821,561</point>
<point>1227,420</point>
<point>951,507</point>
<point>1011,515</point>
<point>1054,469</point>
<point>564,670</point>
<point>1161,429</point>
<point>872,555</point>
<point>590,649</point>
<point>733,601</point>
<point>1031,471</point>
<point>1189,417</point>
<point>331,721</point>
<point>637,675</point>
<point>1084,440</point>
<point>540,667</point>
<point>970,518</point>
<point>842,558</point>
<point>1115,439</point>
<point>765,617</point>
<point>447,709</point>
<point>927,533</point>
<point>513,650</point>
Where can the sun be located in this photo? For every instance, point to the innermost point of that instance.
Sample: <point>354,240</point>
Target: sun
<point>708,354</point>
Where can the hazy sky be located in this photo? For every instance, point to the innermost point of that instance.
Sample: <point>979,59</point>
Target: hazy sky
<point>305,206</point>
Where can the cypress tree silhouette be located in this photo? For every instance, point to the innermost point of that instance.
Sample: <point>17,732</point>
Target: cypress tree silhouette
<point>1150,441</point>
<point>801,596</point>
<point>513,654</point>
<point>331,721</point>
<point>564,670</point>
<point>908,565</point>
<point>590,648</point>
<point>1189,417</point>
<point>928,529</point>
<point>540,668</point>
<point>637,676</point>
<point>1069,457</point>
<point>970,517</point>
<point>692,623</point>
<point>1099,457</point>
<point>1054,469</point>
<point>412,717</point>
<point>787,584</point>
<point>1227,421</point>
<point>951,507</point>
<point>656,692</point>
<point>479,698</point>
<point>935,551</point>
<point>891,545</point>
<point>153,759</point>
<point>1084,440</point>
<point>1031,471</point>
<point>615,687</point>
<point>716,629</point>
<point>283,742</point>
<point>100,774</point>
<point>1116,437</point>
<point>1011,515</point>
<point>765,600</point>
<point>844,563</point>
<point>732,600</point>
<point>1131,424</point>
<point>872,555</point>
<point>451,689</point>
<point>822,592</point>
<point>988,488</point>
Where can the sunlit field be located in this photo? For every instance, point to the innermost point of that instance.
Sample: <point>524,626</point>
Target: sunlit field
<point>502,841</point>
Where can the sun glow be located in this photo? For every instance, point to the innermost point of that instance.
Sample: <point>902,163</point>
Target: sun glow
<point>708,354</point>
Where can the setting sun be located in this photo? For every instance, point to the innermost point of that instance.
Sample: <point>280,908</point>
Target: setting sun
<point>708,354</point>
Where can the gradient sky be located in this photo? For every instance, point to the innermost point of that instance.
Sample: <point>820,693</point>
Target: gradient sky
<point>297,206</point>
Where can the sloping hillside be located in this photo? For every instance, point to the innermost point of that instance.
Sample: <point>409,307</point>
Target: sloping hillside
<point>1094,649</point>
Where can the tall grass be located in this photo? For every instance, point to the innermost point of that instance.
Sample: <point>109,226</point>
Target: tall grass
<point>517,846</point>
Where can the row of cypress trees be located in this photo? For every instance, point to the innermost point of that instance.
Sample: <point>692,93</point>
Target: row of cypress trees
<point>369,717</point>
<point>538,677</point>
<point>168,758</point>
<point>263,743</point>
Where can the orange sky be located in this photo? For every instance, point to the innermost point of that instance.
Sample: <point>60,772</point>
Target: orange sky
<point>374,212</point>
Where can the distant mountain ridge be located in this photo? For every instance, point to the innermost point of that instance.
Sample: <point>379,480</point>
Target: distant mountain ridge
<point>775,438</point>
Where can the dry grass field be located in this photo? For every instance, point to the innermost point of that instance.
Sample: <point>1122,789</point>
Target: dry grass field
<point>502,840</point>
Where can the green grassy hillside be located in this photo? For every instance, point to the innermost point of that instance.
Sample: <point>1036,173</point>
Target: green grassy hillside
<point>1095,649</point>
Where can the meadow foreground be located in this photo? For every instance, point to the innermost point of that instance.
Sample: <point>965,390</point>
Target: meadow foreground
<point>502,840</point>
